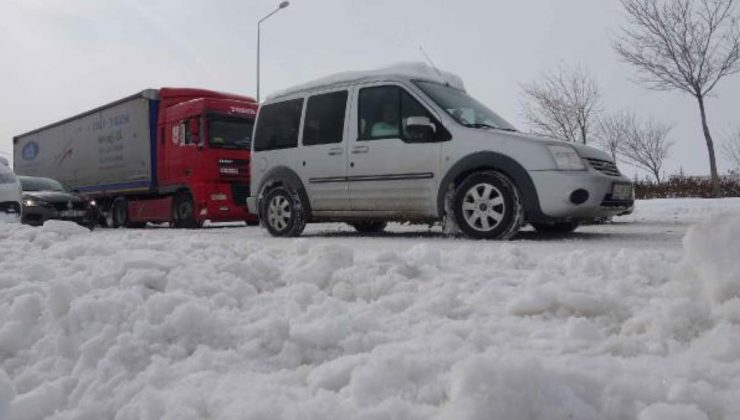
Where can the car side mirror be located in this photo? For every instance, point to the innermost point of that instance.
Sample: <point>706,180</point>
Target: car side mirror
<point>420,129</point>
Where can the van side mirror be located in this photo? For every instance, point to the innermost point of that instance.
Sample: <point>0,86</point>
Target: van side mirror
<point>420,129</point>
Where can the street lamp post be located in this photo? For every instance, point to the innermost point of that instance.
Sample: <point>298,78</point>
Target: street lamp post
<point>282,5</point>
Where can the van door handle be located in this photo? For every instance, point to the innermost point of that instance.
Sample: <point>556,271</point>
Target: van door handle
<point>360,149</point>
<point>336,151</point>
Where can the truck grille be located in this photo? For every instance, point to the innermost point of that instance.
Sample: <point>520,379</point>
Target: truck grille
<point>239,193</point>
<point>604,166</point>
<point>80,205</point>
<point>233,167</point>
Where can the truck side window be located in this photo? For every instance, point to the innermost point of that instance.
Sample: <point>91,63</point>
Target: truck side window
<point>278,125</point>
<point>379,112</point>
<point>187,137</point>
<point>325,119</point>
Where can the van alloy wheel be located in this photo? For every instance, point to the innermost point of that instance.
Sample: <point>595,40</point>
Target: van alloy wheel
<point>278,213</point>
<point>486,205</point>
<point>282,213</point>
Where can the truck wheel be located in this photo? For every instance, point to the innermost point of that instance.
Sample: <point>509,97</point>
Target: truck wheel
<point>184,211</point>
<point>369,226</point>
<point>487,206</point>
<point>555,228</point>
<point>282,213</point>
<point>119,213</point>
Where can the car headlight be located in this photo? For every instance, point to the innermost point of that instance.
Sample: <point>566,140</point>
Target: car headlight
<point>566,158</point>
<point>28,202</point>
<point>93,203</point>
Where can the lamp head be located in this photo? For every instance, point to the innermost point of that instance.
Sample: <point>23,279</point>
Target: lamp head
<point>284,4</point>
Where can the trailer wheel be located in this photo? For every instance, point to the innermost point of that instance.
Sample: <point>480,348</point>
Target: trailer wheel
<point>119,213</point>
<point>184,211</point>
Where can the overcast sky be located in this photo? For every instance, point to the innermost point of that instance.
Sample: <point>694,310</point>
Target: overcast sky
<point>62,57</point>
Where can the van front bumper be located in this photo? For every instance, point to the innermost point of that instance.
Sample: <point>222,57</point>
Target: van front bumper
<point>561,195</point>
<point>252,205</point>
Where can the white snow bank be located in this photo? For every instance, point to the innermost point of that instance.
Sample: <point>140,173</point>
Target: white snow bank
<point>712,258</point>
<point>413,70</point>
<point>231,324</point>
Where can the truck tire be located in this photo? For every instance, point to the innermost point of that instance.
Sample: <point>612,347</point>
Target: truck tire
<point>555,228</point>
<point>184,211</point>
<point>119,213</point>
<point>282,213</point>
<point>486,205</point>
<point>369,226</point>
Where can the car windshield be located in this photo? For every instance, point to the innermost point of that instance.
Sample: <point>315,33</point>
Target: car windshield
<point>462,107</point>
<point>230,133</point>
<point>30,184</point>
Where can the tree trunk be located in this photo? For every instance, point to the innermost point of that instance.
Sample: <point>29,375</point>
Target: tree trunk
<point>657,176</point>
<point>716,191</point>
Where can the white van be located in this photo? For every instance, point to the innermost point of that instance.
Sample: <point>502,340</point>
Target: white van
<point>10,193</point>
<point>408,143</point>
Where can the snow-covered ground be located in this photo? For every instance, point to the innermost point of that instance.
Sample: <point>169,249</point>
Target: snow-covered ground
<point>617,321</point>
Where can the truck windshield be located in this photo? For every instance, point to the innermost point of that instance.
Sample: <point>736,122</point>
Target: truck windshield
<point>31,184</point>
<point>462,107</point>
<point>230,133</point>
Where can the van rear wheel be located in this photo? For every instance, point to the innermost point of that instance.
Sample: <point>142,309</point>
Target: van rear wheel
<point>487,206</point>
<point>282,213</point>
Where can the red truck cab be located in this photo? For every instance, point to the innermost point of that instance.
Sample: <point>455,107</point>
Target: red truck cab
<point>203,158</point>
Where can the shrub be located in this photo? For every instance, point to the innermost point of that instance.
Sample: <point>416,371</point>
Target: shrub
<point>682,186</point>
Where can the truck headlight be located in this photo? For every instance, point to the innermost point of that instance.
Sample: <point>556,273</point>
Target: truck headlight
<point>566,158</point>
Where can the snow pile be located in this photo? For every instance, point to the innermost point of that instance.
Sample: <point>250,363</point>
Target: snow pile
<point>712,257</point>
<point>413,70</point>
<point>231,324</point>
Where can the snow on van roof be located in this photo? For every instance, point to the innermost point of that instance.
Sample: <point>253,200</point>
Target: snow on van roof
<point>406,70</point>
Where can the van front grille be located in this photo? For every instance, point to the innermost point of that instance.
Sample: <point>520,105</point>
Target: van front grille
<point>604,166</point>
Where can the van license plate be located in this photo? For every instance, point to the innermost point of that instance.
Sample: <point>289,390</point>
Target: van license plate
<point>72,213</point>
<point>622,192</point>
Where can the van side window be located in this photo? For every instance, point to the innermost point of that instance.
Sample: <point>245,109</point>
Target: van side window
<point>325,119</point>
<point>384,112</point>
<point>278,125</point>
<point>379,111</point>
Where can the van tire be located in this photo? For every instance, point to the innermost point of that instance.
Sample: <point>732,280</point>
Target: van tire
<point>369,226</point>
<point>183,211</point>
<point>119,213</point>
<point>282,213</point>
<point>487,205</point>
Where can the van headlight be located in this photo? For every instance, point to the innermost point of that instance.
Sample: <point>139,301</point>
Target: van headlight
<point>566,158</point>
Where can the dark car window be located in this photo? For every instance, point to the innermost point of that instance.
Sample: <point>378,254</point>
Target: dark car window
<point>31,184</point>
<point>325,119</point>
<point>278,125</point>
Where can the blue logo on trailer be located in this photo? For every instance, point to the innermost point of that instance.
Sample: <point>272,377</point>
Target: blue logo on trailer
<point>30,150</point>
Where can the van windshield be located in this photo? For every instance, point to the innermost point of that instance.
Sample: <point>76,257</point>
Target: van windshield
<point>462,107</point>
<point>230,133</point>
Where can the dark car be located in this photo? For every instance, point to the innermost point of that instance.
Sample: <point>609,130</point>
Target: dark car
<point>45,199</point>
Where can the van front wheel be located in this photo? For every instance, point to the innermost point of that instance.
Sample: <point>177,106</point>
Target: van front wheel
<point>487,206</point>
<point>282,213</point>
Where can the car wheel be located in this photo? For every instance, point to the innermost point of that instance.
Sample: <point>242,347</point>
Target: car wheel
<point>184,211</point>
<point>370,226</point>
<point>283,213</point>
<point>119,213</point>
<point>555,228</point>
<point>487,206</point>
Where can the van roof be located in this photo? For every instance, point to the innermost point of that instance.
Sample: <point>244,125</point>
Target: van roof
<point>401,71</point>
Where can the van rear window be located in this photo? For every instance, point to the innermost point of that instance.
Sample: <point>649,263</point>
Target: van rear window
<point>278,125</point>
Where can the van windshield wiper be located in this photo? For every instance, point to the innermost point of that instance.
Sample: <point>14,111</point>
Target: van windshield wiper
<point>484,125</point>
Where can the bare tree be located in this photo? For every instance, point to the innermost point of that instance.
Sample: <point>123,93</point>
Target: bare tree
<point>731,150</point>
<point>611,131</point>
<point>686,45</point>
<point>563,104</point>
<point>645,144</point>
